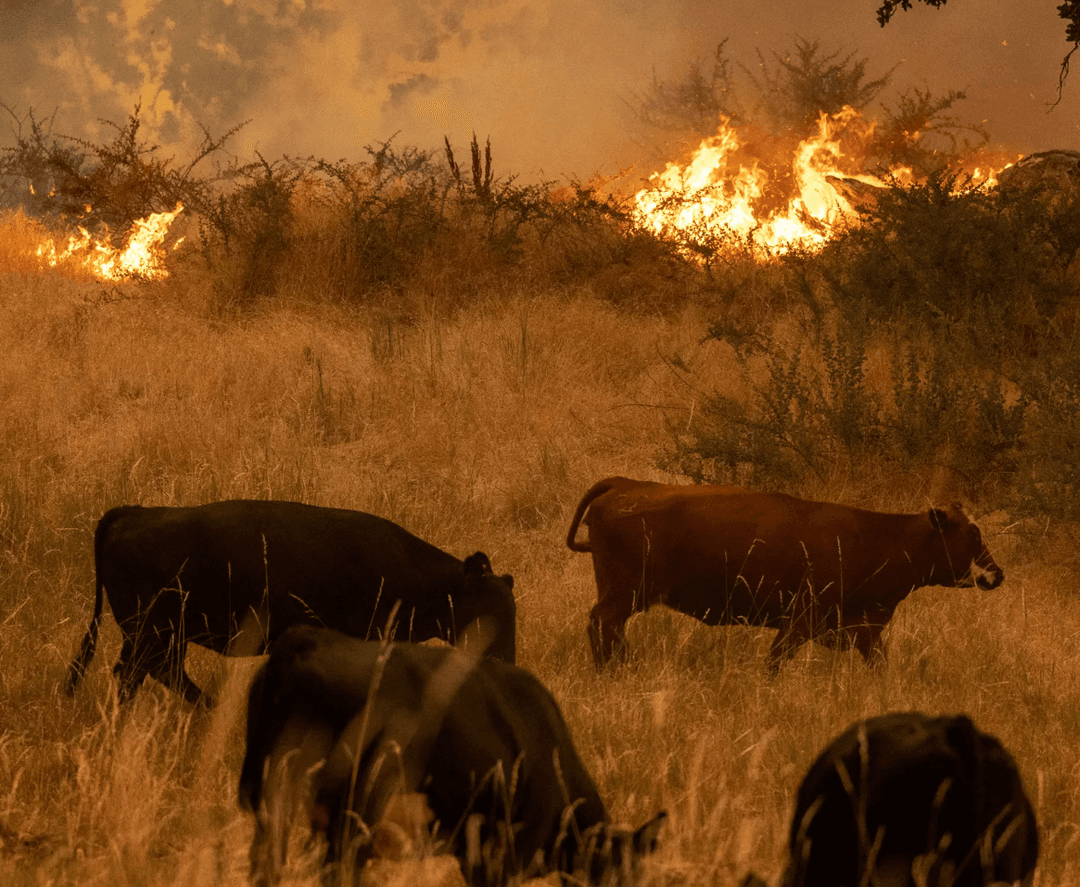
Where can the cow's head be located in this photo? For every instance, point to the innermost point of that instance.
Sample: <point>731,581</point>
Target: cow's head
<point>487,603</point>
<point>968,560</point>
<point>612,854</point>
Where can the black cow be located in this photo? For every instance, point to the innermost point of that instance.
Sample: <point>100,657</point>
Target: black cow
<point>201,574</point>
<point>340,726</point>
<point>907,798</point>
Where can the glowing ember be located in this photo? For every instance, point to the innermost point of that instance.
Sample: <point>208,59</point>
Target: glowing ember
<point>707,195</point>
<point>141,256</point>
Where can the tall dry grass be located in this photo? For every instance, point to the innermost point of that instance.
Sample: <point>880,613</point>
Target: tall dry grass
<point>474,428</point>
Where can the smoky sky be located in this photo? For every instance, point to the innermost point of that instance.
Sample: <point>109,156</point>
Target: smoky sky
<point>547,80</point>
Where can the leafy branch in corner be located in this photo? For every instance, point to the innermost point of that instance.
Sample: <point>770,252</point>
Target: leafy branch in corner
<point>1069,12</point>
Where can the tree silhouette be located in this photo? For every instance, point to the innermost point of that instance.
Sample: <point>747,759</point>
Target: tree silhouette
<point>888,7</point>
<point>805,81</point>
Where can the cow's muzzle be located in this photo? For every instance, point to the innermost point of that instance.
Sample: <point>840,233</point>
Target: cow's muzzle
<point>986,572</point>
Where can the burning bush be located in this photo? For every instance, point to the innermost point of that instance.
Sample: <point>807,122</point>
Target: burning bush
<point>121,197</point>
<point>937,336</point>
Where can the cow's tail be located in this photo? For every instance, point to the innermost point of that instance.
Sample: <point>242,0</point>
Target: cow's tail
<point>594,492</point>
<point>89,642</point>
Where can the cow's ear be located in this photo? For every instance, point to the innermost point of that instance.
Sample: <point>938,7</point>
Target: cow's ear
<point>477,564</point>
<point>645,838</point>
<point>963,737</point>
<point>508,579</point>
<point>940,520</point>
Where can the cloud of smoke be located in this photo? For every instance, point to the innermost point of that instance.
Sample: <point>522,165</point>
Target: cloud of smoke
<point>326,76</point>
<point>547,80</point>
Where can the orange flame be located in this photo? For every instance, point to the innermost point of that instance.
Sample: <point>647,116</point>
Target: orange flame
<point>705,195</point>
<point>141,256</point>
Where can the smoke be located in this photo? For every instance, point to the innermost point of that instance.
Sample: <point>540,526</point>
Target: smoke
<point>324,77</point>
<point>547,80</point>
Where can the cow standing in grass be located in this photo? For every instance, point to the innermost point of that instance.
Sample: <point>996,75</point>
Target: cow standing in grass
<point>907,799</point>
<point>339,727</point>
<point>232,576</point>
<point>729,556</point>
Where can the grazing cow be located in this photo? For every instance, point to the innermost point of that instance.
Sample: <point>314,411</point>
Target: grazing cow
<point>814,570</point>
<point>200,575</point>
<point>340,726</point>
<point>907,799</point>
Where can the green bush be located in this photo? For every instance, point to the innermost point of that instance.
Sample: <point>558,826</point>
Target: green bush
<point>810,411</point>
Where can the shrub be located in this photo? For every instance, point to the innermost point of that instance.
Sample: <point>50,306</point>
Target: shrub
<point>404,221</point>
<point>946,247</point>
<point>110,184</point>
<point>812,410</point>
<point>246,234</point>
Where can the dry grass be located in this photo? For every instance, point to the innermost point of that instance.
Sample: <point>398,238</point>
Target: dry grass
<point>475,429</point>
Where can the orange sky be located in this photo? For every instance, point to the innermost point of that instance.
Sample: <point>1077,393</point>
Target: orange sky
<point>547,80</point>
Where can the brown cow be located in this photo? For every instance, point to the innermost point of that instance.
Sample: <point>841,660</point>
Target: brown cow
<point>727,556</point>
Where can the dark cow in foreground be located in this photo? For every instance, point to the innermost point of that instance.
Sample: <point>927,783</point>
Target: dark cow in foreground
<point>339,726</point>
<point>907,799</point>
<point>201,574</point>
<point>725,555</point>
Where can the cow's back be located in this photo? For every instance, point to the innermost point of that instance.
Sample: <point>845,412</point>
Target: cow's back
<point>301,563</point>
<point>720,553</point>
<point>334,566</point>
<point>726,554</point>
<point>923,783</point>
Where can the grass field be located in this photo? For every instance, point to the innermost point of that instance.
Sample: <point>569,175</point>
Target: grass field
<point>476,428</point>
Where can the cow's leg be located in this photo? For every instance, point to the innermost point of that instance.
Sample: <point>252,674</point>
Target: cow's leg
<point>176,678</point>
<point>129,671</point>
<point>617,599</point>
<point>789,638</point>
<point>191,691</point>
<point>866,638</point>
<point>166,665</point>
<point>607,636</point>
<point>293,763</point>
<point>267,854</point>
<point>156,653</point>
<point>273,821</point>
